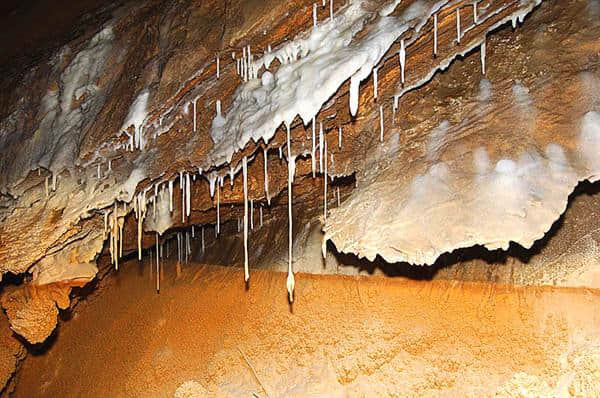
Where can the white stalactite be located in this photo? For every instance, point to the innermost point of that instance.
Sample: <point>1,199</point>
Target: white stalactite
<point>475,13</point>
<point>218,67</point>
<point>46,186</point>
<point>245,172</point>
<point>321,147</point>
<point>380,123</point>
<point>290,283</point>
<point>435,35</point>
<point>337,192</point>
<point>195,124</point>
<point>188,195</point>
<point>252,214</point>
<point>325,186</point>
<point>218,227</point>
<point>483,50</point>
<point>339,137</point>
<point>313,161</point>
<point>375,82</point>
<point>171,196</point>
<point>183,190</point>
<point>314,15</point>
<point>402,55</point>
<point>458,25</point>
<point>265,158</point>
<point>157,265</point>
<point>331,10</point>
<point>261,215</point>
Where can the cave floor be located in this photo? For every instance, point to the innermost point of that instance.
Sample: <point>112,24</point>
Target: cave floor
<point>344,336</point>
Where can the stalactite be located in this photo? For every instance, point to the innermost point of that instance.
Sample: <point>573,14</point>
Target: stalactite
<point>109,165</point>
<point>171,196</point>
<point>261,215</point>
<point>188,195</point>
<point>195,123</point>
<point>280,154</point>
<point>193,232</point>
<point>54,178</point>
<point>183,190</point>
<point>245,172</point>
<point>475,13</point>
<point>290,283</point>
<point>402,56</point>
<point>46,186</point>
<point>380,123</point>
<point>121,223</point>
<point>218,67</point>
<point>337,194</point>
<point>339,137</point>
<point>313,162</point>
<point>157,266</point>
<point>321,147</point>
<point>458,25</point>
<point>483,50</point>
<point>252,214</point>
<point>375,82</point>
<point>218,226</point>
<point>314,15</point>
<point>265,158</point>
<point>435,35</point>
<point>325,186</point>
<point>202,238</point>
<point>331,10</point>
<point>98,172</point>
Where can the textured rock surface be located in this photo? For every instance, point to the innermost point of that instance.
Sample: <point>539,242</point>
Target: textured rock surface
<point>344,336</point>
<point>484,160</point>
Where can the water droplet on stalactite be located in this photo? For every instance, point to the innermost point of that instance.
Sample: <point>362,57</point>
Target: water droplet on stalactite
<point>265,158</point>
<point>435,35</point>
<point>458,25</point>
<point>402,56</point>
<point>483,49</point>
<point>339,137</point>
<point>245,173</point>
<point>290,283</point>
<point>380,123</point>
<point>321,147</point>
<point>375,82</point>
<point>314,15</point>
